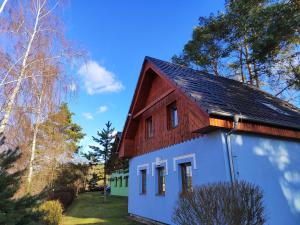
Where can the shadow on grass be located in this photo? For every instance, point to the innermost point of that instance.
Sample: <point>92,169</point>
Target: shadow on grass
<point>90,209</point>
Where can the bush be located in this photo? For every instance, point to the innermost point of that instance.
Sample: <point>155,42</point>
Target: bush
<point>52,212</point>
<point>64,195</point>
<point>71,176</point>
<point>221,203</point>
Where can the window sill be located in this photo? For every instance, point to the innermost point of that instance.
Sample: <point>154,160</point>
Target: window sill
<point>160,195</point>
<point>142,194</point>
<point>172,128</point>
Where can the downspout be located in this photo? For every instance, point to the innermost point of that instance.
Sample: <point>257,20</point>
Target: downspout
<point>229,147</point>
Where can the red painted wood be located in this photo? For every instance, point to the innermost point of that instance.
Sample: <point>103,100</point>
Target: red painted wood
<point>150,104</point>
<point>154,103</point>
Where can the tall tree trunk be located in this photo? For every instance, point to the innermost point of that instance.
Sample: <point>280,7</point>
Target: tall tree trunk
<point>248,64</point>
<point>32,157</point>
<point>248,60</point>
<point>3,5</point>
<point>215,68</point>
<point>241,65</point>
<point>104,189</point>
<point>33,146</point>
<point>256,75</point>
<point>12,98</point>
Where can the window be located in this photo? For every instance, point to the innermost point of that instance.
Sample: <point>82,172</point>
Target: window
<point>186,176</point>
<point>161,181</point>
<point>126,181</point>
<point>172,116</point>
<point>116,182</point>
<point>149,128</point>
<point>120,181</point>
<point>143,183</point>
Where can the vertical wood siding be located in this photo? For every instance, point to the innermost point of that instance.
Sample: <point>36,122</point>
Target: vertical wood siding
<point>190,118</point>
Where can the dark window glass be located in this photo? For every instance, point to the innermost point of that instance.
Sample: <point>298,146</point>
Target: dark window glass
<point>172,116</point>
<point>143,177</point>
<point>126,181</point>
<point>149,127</point>
<point>161,180</point>
<point>121,181</point>
<point>116,182</point>
<point>186,176</point>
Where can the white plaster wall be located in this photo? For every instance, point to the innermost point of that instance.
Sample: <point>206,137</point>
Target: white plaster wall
<point>274,165</point>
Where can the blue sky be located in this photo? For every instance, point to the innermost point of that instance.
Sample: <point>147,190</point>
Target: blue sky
<point>117,36</point>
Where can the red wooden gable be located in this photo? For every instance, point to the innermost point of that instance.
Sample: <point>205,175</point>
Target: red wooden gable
<point>153,94</point>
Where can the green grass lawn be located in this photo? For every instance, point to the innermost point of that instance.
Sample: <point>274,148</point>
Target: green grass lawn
<point>90,209</point>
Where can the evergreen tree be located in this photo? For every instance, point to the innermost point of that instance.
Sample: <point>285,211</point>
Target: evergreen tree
<point>115,162</point>
<point>206,50</point>
<point>102,152</point>
<point>14,211</point>
<point>58,140</point>
<point>93,181</point>
<point>61,128</point>
<point>255,41</point>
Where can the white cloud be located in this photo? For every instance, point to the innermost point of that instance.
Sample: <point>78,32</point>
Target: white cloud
<point>88,116</point>
<point>97,79</point>
<point>102,109</point>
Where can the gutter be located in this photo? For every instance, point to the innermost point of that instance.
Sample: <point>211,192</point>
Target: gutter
<point>236,119</point>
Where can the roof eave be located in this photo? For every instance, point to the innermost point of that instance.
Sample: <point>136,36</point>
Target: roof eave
<point>213,113</point>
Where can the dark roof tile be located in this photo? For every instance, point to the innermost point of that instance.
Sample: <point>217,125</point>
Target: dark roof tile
<point>222,96</point>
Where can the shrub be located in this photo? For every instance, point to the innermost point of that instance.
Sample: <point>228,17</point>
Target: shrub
<point>71,176</point>
<point>64,195</point>
<point>52,212</point>
<point>221,203</point>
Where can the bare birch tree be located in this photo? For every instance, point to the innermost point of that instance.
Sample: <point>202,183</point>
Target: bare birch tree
<point>37,37</point>
<point>33,76</point>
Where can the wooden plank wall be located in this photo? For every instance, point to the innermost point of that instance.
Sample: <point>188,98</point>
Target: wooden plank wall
<point>188,115</point>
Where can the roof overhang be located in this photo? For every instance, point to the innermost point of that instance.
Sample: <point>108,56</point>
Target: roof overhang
<point>244,126</point>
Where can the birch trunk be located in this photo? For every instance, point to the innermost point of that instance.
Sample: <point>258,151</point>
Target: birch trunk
<point>34,139</point>
<point>12,98</point>
<point>3,5</point>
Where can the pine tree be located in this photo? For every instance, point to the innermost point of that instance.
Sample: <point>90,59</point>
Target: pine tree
<point>102,152</point>
<point>254,41</point>
<point>14,211</point>
<point>58,136</point>
<point>115,162</point>
<point>93,181</point>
